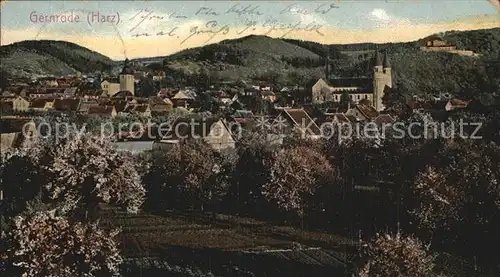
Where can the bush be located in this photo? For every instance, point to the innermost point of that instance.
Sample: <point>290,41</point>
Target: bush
<point>395,255</point>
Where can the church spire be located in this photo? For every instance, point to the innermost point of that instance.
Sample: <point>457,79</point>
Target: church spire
<point>127,69</point>
<point>378,58</point>
<point>387,63</point>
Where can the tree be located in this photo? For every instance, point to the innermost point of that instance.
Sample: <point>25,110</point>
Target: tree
<point>393,100</point>
<point>45,244</point>
<point>396,255</point>
<point>187,170</point>
<point>297,78</point>
<point>203,81</point>
<point>345,100</point>
<point>81,171</point>
<point>459,195</point>
<point>4,82</point>
<point>258,105</point>
<point>251,173</point>
<point>147,87</point>
<point>87,168</point>
<point>295,175</point>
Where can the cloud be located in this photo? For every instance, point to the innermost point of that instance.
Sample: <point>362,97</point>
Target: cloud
<point>381,18</point>
<point>380,14</point>
<point>496,4</point>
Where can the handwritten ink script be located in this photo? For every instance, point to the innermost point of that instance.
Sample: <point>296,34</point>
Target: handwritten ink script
<point>250,19</point>
<point>208,21</point>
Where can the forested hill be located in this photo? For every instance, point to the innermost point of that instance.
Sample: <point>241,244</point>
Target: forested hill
<point>286,61</point>
<point>295,61</point>
<point>48,57</point>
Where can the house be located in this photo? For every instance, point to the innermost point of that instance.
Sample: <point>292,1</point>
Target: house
<point>138,109</point>
<point>212,130</point>
<point>363,112</point>
<point>137,141</point>
<point>66,105</point>
<point>298,119</point>
<point>41,104</point>
<point>268,95</point>
<point>16,130</point>
<point>104,111</point>
<point>159,105</point>
<point>384,119</point>
<point>182,99</point>
<point>109,89</point>
<point>46,92</point>
<point>70,92</point>
<point>84,106</point>
<point>417,104</point>
<point>445,105</point>
<point>48,82</point>
<point>338,118</point>
<point>165,93</point>
<point>14,103</point>
<point>21,90</point>
<point>242,116</point>
<point>455,104</point>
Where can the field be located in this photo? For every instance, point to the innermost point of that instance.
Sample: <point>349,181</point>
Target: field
<point>195,244</point>
<point>191,244</point>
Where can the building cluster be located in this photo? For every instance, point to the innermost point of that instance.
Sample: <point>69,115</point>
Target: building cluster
<point>223,105</point>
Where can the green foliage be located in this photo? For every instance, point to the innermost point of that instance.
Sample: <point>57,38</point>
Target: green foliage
<point>47,57</point>
<point>424,73</point>
<point>485,42</point>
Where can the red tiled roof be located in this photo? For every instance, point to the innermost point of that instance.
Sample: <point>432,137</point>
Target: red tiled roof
<point>184,128</point>
<point>367,111</point>
<point>458,103</point>
<point>105,110</point>
<point>141,108</point>
<point>69,104</point>
<point>40,103</point>
<point>301,119</point>
<point>352,118</point>
<point>341,117</point>
<point>384,119</point>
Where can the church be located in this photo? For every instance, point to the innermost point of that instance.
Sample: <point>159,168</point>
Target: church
<point>359,88</point>
<point>126,83</point>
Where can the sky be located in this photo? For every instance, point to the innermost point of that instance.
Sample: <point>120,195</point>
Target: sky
<point>135,29</point>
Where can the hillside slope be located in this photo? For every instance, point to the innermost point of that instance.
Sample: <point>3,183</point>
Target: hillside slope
<point>46,57</point>
<point>289,61</point>
<point>248,57</point>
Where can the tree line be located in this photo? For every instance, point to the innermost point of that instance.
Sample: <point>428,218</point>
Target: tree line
<point>406,197</point>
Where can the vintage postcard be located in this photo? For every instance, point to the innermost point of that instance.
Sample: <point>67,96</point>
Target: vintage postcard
<point>250,138</point>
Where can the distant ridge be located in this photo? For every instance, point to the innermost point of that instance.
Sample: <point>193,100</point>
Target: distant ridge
<point>48,57</point>
<point>286,61</point>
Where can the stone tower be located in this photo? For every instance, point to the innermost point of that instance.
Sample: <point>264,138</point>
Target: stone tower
<point>382,79</point>
<point>127,77</point>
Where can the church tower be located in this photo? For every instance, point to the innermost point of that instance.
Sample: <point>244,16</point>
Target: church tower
<point>127,77</point>
<point>382,79</point>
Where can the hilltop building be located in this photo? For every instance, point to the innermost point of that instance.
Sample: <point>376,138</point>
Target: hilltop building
<point>435,43</point>
<point>372,89</point>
